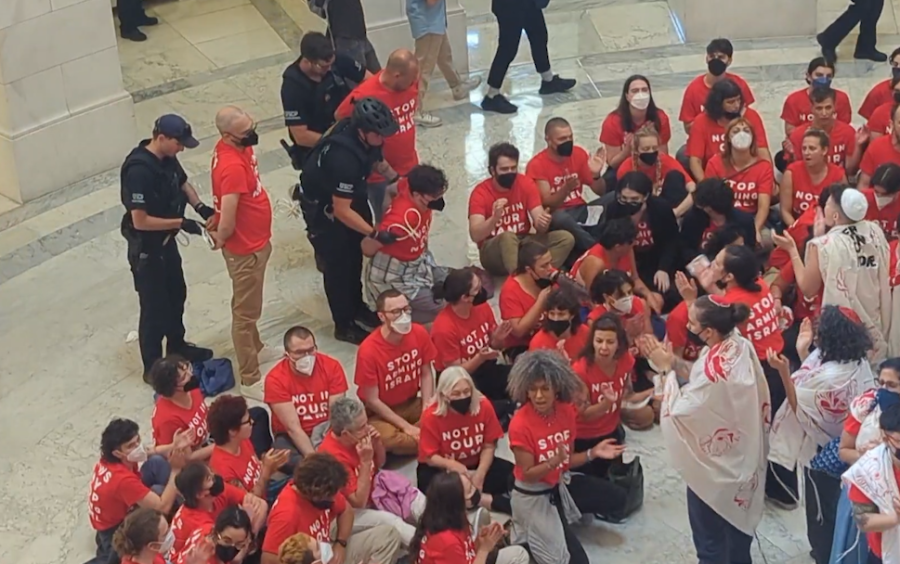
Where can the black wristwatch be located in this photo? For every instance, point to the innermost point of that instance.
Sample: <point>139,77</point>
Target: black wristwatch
<point>341,542</point>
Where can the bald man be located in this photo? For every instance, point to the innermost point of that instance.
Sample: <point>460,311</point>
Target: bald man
<point>397,85</point>
<point>243,231</point>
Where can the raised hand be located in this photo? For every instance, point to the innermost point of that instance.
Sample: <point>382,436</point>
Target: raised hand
<point>805,335</point>
<point>499,207</point>
<point>275,459</point>
<point>607,449</point>
<point>687,287</point>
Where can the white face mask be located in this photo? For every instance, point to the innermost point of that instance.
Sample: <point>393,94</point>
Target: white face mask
<point>623,305</point>
<point>167,542</point>
<point>741,140</point>
<point>641,100</point>
<point>882,201</point>
<point>305,364</point>
<point>402,324</point>
<point>325,552</point>
<point>137,454</point>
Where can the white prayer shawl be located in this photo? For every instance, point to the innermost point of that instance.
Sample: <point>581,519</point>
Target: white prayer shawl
<point>873,474</point>
<point>894,338</point>
<point>854,262</point>
<point>824,394</point>
<point>865,410</point>
<point>715,429</point>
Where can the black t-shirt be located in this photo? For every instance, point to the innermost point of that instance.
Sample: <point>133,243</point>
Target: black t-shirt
<point>339,171</point>
<point>346,19</point>
<point>153,185</point>
<point>310,103</point>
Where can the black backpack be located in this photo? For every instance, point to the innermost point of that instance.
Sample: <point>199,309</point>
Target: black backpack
<point>312,176</point>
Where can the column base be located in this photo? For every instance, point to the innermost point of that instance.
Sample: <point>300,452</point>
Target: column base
<point>702,20</point>
<point>394,34</point>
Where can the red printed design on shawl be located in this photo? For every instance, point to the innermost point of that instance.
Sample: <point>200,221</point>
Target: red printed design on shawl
<point>720,361</point>
<point>746,491</point>
<point>720,442</point>
<point>834,404</point>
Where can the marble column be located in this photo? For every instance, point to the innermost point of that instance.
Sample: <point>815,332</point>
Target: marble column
<point>388,29</point>
<point>64,114</point>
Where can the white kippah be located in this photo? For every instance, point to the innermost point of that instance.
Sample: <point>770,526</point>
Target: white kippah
<point>854,204</point>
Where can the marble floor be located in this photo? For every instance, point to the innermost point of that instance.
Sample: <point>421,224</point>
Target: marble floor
<point>67,301</point>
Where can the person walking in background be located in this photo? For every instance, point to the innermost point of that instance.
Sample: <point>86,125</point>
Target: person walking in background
<point>514,16</point>
<point>428,23</point>
<point>131,16</point>
<point>347,30</point>
<point>862,12</point>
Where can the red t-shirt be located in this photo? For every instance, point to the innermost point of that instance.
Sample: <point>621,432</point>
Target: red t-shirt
<point>514,304</point>
<point>592,376</point>
<point>235,171</point>
<point>410,224</point>
<point>188,520</point>
<point>696,92</point>
<point>400,148</point>
<point>879,152</point>
<point>707,137</point>
<point>851,424</point>
<point>802,307</point>
<point>886,217</point>
<point>856,496</point>
<point>195,540</point>
<point>244,467</point>
<point>115,488</point>
<point>881,93</point>
<point>613,133</point>
<point>395,370</point>
<point>523,197</point>
<point>458,436</point>
<point>349,457</point>
<point>894,272</point>
<point>881,122</point>
<point>841,140</point>
<point>543,167</point>
<point>677,333</point>
<point>292,513</point>
<point>573,345</point>
<point>447,547</point>
<point>637,309</point>
<point>168,418</point>
<point>746,184</point>
<point>625,263</point>
<point>540,435</point>
<point>309,394</point>
<point>458,339</point>
<point>806,194</point>
<point>762,328</point>
<point>797,109</point>
<point>158,559</point>
<point>665,164</point>
<point>799,231</point>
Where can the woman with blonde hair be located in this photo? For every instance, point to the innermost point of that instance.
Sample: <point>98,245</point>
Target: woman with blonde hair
<point>459,433</point>
<point>145,538</point>
<point>670,181</point>
<point>301,549</point>
<point>746,169</point>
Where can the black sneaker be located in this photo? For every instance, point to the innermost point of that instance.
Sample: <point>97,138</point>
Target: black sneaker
<point>870,55</point>
<point>147,379</point>
<point>367,317</point>
<point>353,334</point>
<point>498,103</point>
<point>134,35</point>
<point>556,85</point>
<point>613,520</point>
<point>828,51</point>
<point>191,352</point>
<point>148,20</point>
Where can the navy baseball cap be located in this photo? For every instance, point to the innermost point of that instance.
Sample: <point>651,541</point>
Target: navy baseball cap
<point>175,127</point>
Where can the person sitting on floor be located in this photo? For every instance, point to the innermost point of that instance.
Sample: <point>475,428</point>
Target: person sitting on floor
<point>562,329</point>
<point>179,408</point>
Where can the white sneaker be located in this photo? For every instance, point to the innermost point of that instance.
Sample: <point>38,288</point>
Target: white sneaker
<point>253,391</point>
<point>462,91</point>
<point>426,119</point>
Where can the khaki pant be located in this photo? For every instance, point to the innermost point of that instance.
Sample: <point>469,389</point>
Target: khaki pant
<point>394,440</point>
<point>433,49</point>
<point>500,255</point>
<point>248,273</point>
<point>380,544</point>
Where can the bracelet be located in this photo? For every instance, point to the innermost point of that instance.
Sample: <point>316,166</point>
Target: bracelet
<point>341,542</point>
<point>394,180</point>
<point>590,455</point>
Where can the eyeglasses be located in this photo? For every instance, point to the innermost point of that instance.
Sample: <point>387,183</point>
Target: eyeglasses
<point>248,421</point>
<point>302,353</point>
<point>399,311</point>
<point>223,541</point>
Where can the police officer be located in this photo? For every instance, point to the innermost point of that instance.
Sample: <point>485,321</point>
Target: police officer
<point>335,207</point>
<point>155,193</point>
<point>312,88</point>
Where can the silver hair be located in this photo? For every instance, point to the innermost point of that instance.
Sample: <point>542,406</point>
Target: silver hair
<point>449,378</point>
<point>547,365</point>
<point>344,412</point>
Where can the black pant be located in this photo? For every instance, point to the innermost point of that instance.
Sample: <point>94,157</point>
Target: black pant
<point>131,14</point>
<point>598,467</point>
<point>822,494</point>
<point>862,12</point>
<point>715,539</point>
<point>497,482</point>
<point>781,482</point>
<point>513,16</point>
<point>674,188</point>
<point>260,436</point>
<point>105,552</point>
<point>339,255</point>
<point>490,378</point>
<point>873,559</point>
<point>159,281</point>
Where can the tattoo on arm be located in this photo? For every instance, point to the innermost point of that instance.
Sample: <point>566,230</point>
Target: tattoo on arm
<point>862,511</point>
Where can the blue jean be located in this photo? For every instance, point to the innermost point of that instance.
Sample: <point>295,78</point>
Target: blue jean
<point>846,535</point>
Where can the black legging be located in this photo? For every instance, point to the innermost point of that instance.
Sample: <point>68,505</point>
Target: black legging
<point>497,482</point>
<point>513,16</point>
<point>822,495</point>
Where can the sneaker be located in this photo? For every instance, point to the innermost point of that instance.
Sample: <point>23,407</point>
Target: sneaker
<point>828,51</point>
<point>367,317</point>
<point>148,21</point>
<point>498,103</point>
<point>192,352</point>
<point>147,379</point>
<point>353,334</point>
<point>785,505</point>
<point>426,119</point>
<point>872,54</point>
<point>556,85</point>
<point>461,92</point>
<point>253,391</point>
<point>134,35</point>
<point>610,519</point>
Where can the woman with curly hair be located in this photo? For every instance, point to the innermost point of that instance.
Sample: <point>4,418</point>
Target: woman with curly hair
<point>180,410</point>
<point>545,496</point>
<point>143,538</point>
<point>819,395</point>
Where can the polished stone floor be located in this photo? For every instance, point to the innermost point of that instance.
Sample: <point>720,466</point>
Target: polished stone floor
<point>67,301</point>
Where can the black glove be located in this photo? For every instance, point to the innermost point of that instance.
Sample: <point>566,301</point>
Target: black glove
<point>205,211</point>
<point>385,237</point>
<point>191,226</point>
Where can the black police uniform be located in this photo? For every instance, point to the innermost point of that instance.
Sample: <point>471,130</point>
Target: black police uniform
<point>155,186</point>
<point>337,168</point>
<point>313,104</point>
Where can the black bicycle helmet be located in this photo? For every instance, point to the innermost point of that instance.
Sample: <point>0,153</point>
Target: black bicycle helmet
<point>373,115</point>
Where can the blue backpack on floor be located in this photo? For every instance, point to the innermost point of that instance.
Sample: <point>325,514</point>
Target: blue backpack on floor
<point>216,376</point>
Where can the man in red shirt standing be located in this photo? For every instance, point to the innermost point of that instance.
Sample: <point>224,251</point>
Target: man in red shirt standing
<point>243,232</point>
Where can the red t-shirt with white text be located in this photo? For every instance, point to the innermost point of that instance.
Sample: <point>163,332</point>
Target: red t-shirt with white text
<point>447,547</point>
<point>692,103</point>
<point>543,167</point>
<point>410,224</point>
<point>885,217</point>
<point>115,488</point>
<point>515,302</point>
<point>395,370</point>
<point>879,152</point>
<point>593,376</point>
<point>880,121</point>
<point>244,467</point>
<point>168,418</point>
<point>292,513</point>
<point>625,263</point>
<point>573,346</point>
<point>841,142</point>
<point>309,394</point>
<point>539,436</point>
<point>349,458</point>
<point>707,137</point>
<point>806,194</point>
<point>235,171</point>
<point>458,339</point>
<point>797,109</point>
<point>612,131</point>
<point>187,520</point>
<point>657,172</point>
<point>523,197</point>
<point>762,328</point>
<point>881,93</point>
<point>458,436</point>
<point>747,184</point>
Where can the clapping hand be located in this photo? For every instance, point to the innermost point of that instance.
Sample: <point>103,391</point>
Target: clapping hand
<point>488,537</point>
<point>498,337</point>
<point>804,336</point>
<point>687,287</point>
<point>598,161</point>
<point>275,459</point>
<point>661,355</point>
<point>607,449</point>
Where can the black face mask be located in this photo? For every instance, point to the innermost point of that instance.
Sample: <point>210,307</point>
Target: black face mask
<point>218,486</point>
<point>250,139</point>
<point>895,72</point>
<point>507,179</point>
<point>630,208</point>
<point>694,338</point>
<point>731,115</point>
<point>323,504</point>
<point>191,384</point>
<point>720,284</point>
<point>437,205</point>
<point>543,283</point>
<point>461,405</point>
<point>565,149</point>
<point>716,67</point>
<point>557,326</point>
<point>896,96</point>
<point>649,159</point>
<point>226,553</point>
<point>480,297</point>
